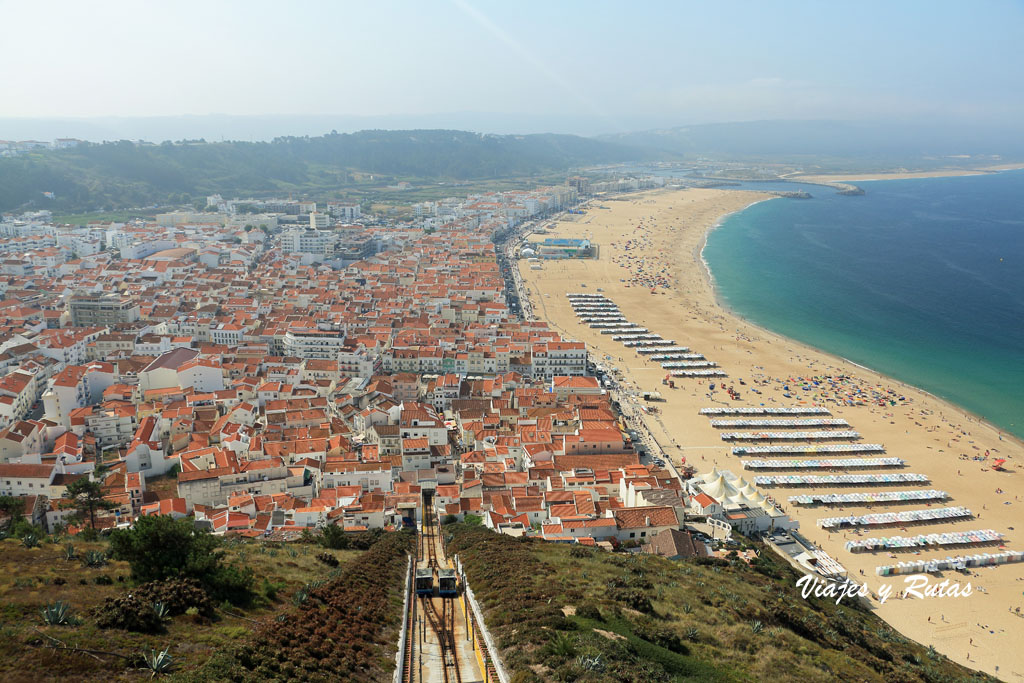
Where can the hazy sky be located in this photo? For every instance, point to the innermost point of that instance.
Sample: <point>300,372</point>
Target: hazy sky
<point>624,63</point>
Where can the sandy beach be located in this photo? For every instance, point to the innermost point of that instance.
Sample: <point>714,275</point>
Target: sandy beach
<point>850,178</point>
<point>653,241</point>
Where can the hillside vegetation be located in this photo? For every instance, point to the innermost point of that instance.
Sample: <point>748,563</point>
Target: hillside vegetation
<point>342,629</point>
<point>125,174</point>
<point>568,613</point>
<point>70,610</point>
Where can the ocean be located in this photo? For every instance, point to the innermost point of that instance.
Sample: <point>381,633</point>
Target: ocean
<point>920,279</point>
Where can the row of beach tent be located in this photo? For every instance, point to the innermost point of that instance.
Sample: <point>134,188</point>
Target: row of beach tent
<point>955,563</point>
<point>791,436</point>
<point>752,410</point>
<point>839,479</point>
<point>676,364</point>
<point>810,448</point>
<point>703,372</point>
<point>892,518</point>
<point>787,423</point>
<point>601,313</point>
<point>866,497</point>
<point>976,537</point>
<point>833,463</point>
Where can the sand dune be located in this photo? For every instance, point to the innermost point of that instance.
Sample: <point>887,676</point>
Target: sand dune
<point>667,230</point>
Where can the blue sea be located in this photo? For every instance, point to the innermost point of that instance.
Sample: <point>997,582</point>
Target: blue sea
<point>921,279</point>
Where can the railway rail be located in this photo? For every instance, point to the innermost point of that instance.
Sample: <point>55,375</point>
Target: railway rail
<point>440,621</point>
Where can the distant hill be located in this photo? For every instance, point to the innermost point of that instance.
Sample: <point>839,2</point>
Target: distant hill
<point>126,174</point>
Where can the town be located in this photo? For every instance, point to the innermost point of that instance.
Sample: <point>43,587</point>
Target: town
<point>274,366</point>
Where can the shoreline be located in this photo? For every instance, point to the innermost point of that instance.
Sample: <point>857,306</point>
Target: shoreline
<point>724,305</point>
<point>698,252</point>
<point>660,235</point>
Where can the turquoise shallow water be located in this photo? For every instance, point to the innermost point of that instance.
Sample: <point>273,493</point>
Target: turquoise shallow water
<point>919,279</point>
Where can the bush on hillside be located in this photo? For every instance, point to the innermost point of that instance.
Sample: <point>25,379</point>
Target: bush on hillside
<point>160,548</point>
<point>130,613</point>
<point>177,595</point>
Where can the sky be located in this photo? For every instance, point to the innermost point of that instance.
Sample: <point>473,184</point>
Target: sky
<point>590,66</point>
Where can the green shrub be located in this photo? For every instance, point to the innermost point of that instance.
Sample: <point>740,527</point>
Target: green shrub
<point>159,548</point>
<point>580,551</point>
<point>129,613</point>
<point>334,537</point>
<point>635,599</point>
<point>328,559</point>
<point>270,589</point>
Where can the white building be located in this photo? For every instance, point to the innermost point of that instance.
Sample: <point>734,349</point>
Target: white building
<point>737,502</point>
<point>344,210</point>
<point>318,221</point>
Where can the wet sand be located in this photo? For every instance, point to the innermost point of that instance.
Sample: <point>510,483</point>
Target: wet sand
<point>654,239</point>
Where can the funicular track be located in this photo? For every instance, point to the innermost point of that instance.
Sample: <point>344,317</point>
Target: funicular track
<point>438,612</point>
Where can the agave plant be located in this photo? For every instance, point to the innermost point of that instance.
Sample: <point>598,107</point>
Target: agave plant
<point>300,597</point>
<point>692,634</point>
<point>158,662</point>
<point>30,541</point>
<point>593,663</point>
<point>161,611</point>
<point>756,626</point>
<point>57,614</point>
<point>69,551</point>
<point>686,608</point>
<point>563,645</point>
<point>94,558</point>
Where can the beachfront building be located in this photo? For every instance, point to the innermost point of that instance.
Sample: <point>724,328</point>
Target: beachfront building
<point>564,358</point>
<point>565,247</point>
<point>722,495</point>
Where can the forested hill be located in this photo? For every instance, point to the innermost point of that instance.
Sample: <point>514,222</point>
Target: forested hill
<point>126,174</point>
